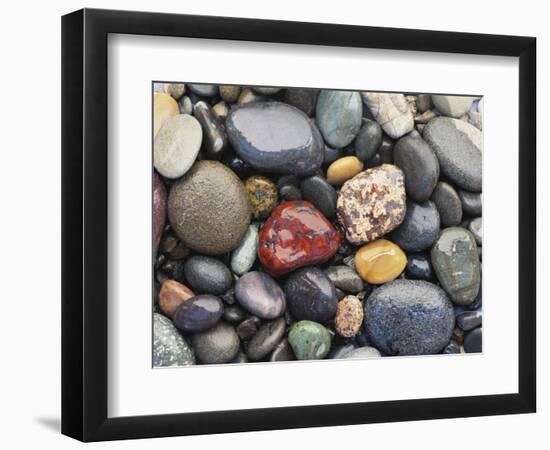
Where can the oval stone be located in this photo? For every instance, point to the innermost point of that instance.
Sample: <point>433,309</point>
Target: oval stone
<point>391,111</point>
<point>204,90</point>
<point>372,203</point>
<point>408,317</point>
<point>471,203</point>
<point>266,339</point>
<point>318,191</point>
<point>207,275</point>
<point>169,347</point>
<point>199,313</point>
<point>339,116</point>
<point>345,278</point>
<point>159,210</point>
<point>262,194</point>
<point>349,316</point>
<point>164,107</point>
<point>419,229</point>
<point>311,295</point>
<point>243,257</point>
<point>452,105</point>
<point>456,264</point>
<point>343,169</point>
<point>309,340</point>
<point>368,140</point>
<point>274,137</point>
<point>214,141</point>
<point>380,261</point>
<point>217,345</point>
<point>448,204</point>
<point>259,294</point>
<point>208,208</point>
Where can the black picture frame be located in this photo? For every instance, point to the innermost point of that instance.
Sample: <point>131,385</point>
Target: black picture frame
<point>84,224</point>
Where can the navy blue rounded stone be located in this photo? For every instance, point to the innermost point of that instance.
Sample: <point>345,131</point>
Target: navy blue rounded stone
<point>420,227</point>
<point>207,275</point>
<point>199,313</point>
<point>473,341</point>
<point>418,267</point>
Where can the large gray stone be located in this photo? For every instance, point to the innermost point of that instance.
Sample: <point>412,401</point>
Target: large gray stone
<point>169,347</point>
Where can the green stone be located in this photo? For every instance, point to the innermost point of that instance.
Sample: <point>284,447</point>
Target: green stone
<point>243,257</point>
<point>309,340</point>
<point>169,347</point>
<point>339,116</point>
<point>456,264</point>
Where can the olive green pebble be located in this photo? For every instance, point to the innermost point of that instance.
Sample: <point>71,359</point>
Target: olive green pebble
<point>309,340</point>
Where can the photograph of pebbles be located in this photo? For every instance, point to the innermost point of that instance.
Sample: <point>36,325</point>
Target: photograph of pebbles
<point>307,224</point>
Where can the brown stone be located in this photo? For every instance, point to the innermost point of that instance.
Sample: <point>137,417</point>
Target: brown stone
<point>171,295</point>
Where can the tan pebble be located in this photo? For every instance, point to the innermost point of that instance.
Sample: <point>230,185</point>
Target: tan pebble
<point>164,107</point>
<point>230,93</point>
<point>221,110</point>
<point>171,295</point>
<point>349,316</point>
<point>343,169</point>
<point>248,96</point>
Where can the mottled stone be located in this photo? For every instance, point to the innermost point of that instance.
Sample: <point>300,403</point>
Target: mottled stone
<point>391,111</point>
<point>266,339</point>
<point>302,98</point>
<point>321,194</point>
<point>217,345</point>
<point>343,169</point>
<point>339,116</point>
<point>471,202</point>
<point>456,264</point>
<point>159,210</point>
<point>380,261</point>
<point>243,257</point>
<point>345,278</point>
<point>448,204</point>
<point>262,194</point>
<point>419,229</point>
<point>368,140</point>
<point>473,341</point>
<point>215,140</point>
<point>372,204</point>
<point>452,105</point>
<point>204,90</point>
<point>208,208</point>
<point>282,352</point>
<point>207,275</point>
<point>229,93</point>
<point>171,295</point>
<point>259,294</point>
<point>349,316</point>
<point>296,235</point>
<point>169,347</point>
<point>199,313</point>
<point>309,340</point>
<point>164,107</point>
<point>407,317</point>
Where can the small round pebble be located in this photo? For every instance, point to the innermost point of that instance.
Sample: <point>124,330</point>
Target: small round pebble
<point>217,345</point>
<point>207,275</point>
<point>349,316</point>
<point>199,313</point>
<point>309,340</point>
<point>343,169</point>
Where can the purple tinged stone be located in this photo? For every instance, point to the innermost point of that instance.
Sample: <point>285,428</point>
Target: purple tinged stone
<point>199,313</point>
<point>259,294</point>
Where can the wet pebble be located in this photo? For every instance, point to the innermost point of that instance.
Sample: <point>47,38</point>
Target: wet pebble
<point>419,229</point>
<point>343,169</point>
<point>171,295</point>
<point>419,267</point>
<point>259,294</point>
<point>262,194</point>
<point>199,313</point>
<point>214,141</point>
<point>320,193</point>
<point>471,202</point>
<point>473,341</point>
<point>207,275</point>
<point>368,140</point>
<point>380,261</point>
<point>349,316</point>
<point>243,257</point>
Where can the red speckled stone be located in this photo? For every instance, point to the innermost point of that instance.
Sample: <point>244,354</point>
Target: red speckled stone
<point>296,235</point>
<point>159,209</point>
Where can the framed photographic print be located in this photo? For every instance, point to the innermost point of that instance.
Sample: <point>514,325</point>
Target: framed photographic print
<point>274,224</point>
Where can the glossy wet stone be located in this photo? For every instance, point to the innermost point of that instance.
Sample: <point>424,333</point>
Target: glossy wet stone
<point>419,164</point>
<point>345,278</point>
<point>266,339</point>
<point>452,105</point>
<point>309,340</point>
<point>343,169</point>
<point>275,137</point>
<point>391,111</point>
<point>408,317</point>
<point>295,235</point>
<point>217,345</point>
<point>169,347</point>
<point>164,107</point>
<point>241,168</point>
<point>469,320</point>
<point>368,140</point>
<point>290,193</point>
<point>380,261</point>
<point>243,257</point>
<point>372,203</point>
<point>310,295</point>
<point>282,352</point>
<point>419,229</point>
<point>259,294</point>
<point>457,145</point>
<point>321,194</point>
<point>262,194</point>
<point>208,208</point>
<point>207,275</point>
<point>476,228</point>
<point>338,116</point>
<point>349,316</point>
<point>303,99</point>
<point>171,295</point>
<point>159,210</point>
<point>456,264</point>
<point>204,90</point>
<point>473,341</point>
<point>471,202</point>
<point>215,140</point>
<point>199,313</point>
<point>234,314</point>
<point>419,267</point>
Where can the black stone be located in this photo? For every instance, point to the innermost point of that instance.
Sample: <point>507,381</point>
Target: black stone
<point>368,140</point>
<point>345,278</point>
<point>419,229</point>
<point>214,138</point>
<point>419,267</point>
<point>448,204</point>
<point>386,150</point>
<point>473,341</point>
<point>469,320</point>
<point>207,275</point>
<point>303,99</point>
<point>265,339</point>
<point>241,168</point>
<point>471,203</point>
<point>318,191</point>
<point>234,314</point>
<point>290,193</point>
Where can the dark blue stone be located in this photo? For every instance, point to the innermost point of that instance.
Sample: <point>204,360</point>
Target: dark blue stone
<point>241,168</point>
<point>469,320</point>
<point>451,348</point>
<point>419,229</point>
<point>199,313</point>
<point>473,341</point>
<point>331,154</point>
<point>368,140</point>
<point>207,275</point>
<point>419,267</point>
<point>318,191</point>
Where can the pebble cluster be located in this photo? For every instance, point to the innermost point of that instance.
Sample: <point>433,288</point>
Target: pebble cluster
<point>301,224</point>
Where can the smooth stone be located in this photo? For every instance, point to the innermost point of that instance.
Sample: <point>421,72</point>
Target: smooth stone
<point>368,140</point>
<point>423,103</point>
<point>215,140</point>
<point>208,208</point>
<point>169,347</point>
<point>469,320</point>
<point>456,264</point>
<point>473,341</point>
<point>380,261</point>
<point>289,193</point>
<point>263,90</point>
<point>475,119</point>
<point>248,328</point>
<point>262,195</point>
<point>458,147</point>
<point>331,154</point>
<point>234,314</point>
<point>230,94</point>
<point>159,210</point>
<point>419,267</point>
<point>282,352</point>
<point>452,105</point>
<point>259,294</point>
<point>391,111</point>
<point>220,110</point>
<point>275,137</point>
<point>451,348</point>
<point>310,295</point>
<point>343,169</point>
<point>177,145</point>
<point>363,353</point>
<point>385,152</point>
<point>345,278</point>
<point>176,90</point>
<point>217,345</point>
<point>302,98</point>
<point>296,235</point>
<point>171,295</point>
<point>204,90</point>
<point>207,275</point>
<point>476,228</point>
<point>341,352</point>
<point>477,303</point>
<point>318,191</point>
<point>339,116</point>
<point>247,95</point>
<point>266,339</point>
<point>237,165</point>
<point>185,105</point>
<point>419,164</point>
<point>309,340</point>
<point>164,107</point>
<point>243,257</point>
<point>471,202</point>
<point>372,203</point>
<point>408,317</point>
<point>448,204</point>
<point>349,316</point>
<point>199,313</point>
<point>419,229</point>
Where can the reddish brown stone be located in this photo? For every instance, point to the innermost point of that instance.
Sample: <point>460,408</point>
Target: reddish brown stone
<point>296,235</point>
<point>171,295</point>
<point>159,209</point>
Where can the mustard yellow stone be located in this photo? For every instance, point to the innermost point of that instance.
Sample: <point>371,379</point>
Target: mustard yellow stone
<point>262,195</point>
<point>343,169</point>
<point>164,107</point>
<point>380,261</point>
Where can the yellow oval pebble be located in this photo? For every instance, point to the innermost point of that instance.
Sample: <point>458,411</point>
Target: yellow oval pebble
<point>164,107</point>
<point>380,261</point>
<point>343,169</point>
